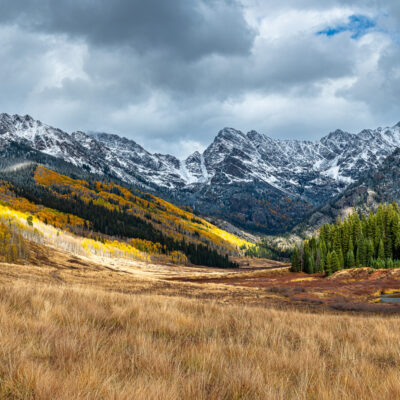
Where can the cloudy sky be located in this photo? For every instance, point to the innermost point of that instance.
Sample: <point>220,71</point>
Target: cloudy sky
<point>171,73</point>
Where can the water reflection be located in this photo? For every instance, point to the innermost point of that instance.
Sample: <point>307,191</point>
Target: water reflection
<point>393,298</point>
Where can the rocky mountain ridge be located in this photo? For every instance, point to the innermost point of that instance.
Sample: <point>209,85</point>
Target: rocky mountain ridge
<point>249,179</point>
<point>378,185</point>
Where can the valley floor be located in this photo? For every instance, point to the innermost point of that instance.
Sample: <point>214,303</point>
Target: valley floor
<point>77,328</point>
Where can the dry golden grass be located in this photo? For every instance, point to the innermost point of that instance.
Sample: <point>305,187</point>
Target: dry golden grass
<point>74,328</point>
<point>72,342</point>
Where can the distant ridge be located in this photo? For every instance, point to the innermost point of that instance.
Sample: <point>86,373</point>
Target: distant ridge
<point>249,179</point>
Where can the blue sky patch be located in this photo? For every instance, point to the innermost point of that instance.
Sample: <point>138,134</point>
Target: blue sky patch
<point>359,25</point>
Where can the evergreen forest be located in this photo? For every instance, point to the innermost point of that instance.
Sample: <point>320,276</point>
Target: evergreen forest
<point>357,241</point>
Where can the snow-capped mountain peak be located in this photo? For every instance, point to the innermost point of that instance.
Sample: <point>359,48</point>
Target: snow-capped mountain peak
<point>335,160</point>
<point>294,169</point>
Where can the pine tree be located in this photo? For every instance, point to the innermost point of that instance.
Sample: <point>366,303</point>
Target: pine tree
<point>319,262</point>
<point>341,259</point>
<point>328,268</point>
<point>335,262</point>
<point>350,259</point>
<point>388,244</point>
<point>337,246</point>
<point>381,251</point>
<point>371,225</point>
<point>306,257</point>
<point>310,265</point>
<point>345,238</point>
<point>322,255</point>
<point>356,227</point>
<point>296,260</point>
<point>395,207</point>
<point>370,251</point>
<point>350,250</point>
<point>361,253</point>
<point>377,238</point>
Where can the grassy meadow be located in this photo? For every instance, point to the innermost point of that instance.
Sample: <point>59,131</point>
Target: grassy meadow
<point>71,341</point>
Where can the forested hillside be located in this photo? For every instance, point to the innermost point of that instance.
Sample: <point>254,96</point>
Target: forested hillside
<point>105,211</point>
<point>372,241</point>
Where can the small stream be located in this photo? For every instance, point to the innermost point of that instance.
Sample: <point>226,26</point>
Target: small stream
<point>393,298</point>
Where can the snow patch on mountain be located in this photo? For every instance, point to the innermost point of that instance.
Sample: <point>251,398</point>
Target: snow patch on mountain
<point>296,167</point>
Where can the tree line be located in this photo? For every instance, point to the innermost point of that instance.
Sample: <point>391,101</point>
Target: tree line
<point>357,241</point>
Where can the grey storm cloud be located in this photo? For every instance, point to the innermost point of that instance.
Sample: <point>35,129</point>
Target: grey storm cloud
<point>188,29</point>
<point>171,74</point>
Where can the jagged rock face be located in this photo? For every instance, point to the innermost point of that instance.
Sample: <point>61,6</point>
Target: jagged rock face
<point>249,179</point>
<point>39,136</point>
<point>99,153</point>
<point>336,160</point>
<point>294,177</point>
<point>128,159</point>
<point>378,185</point>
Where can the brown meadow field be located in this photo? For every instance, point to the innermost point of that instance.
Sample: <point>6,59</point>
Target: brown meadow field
<point>73,328</point>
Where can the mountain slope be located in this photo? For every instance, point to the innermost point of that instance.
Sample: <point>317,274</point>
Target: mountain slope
<point>106,212</point>
<point>269,185</point>
<point>379,185</point>
<point>251,180</point>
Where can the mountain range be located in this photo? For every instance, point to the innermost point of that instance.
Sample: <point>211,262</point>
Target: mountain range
<point>248,179</point>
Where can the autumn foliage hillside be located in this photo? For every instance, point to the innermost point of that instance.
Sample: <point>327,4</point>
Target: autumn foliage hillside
<point>105,211</point>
